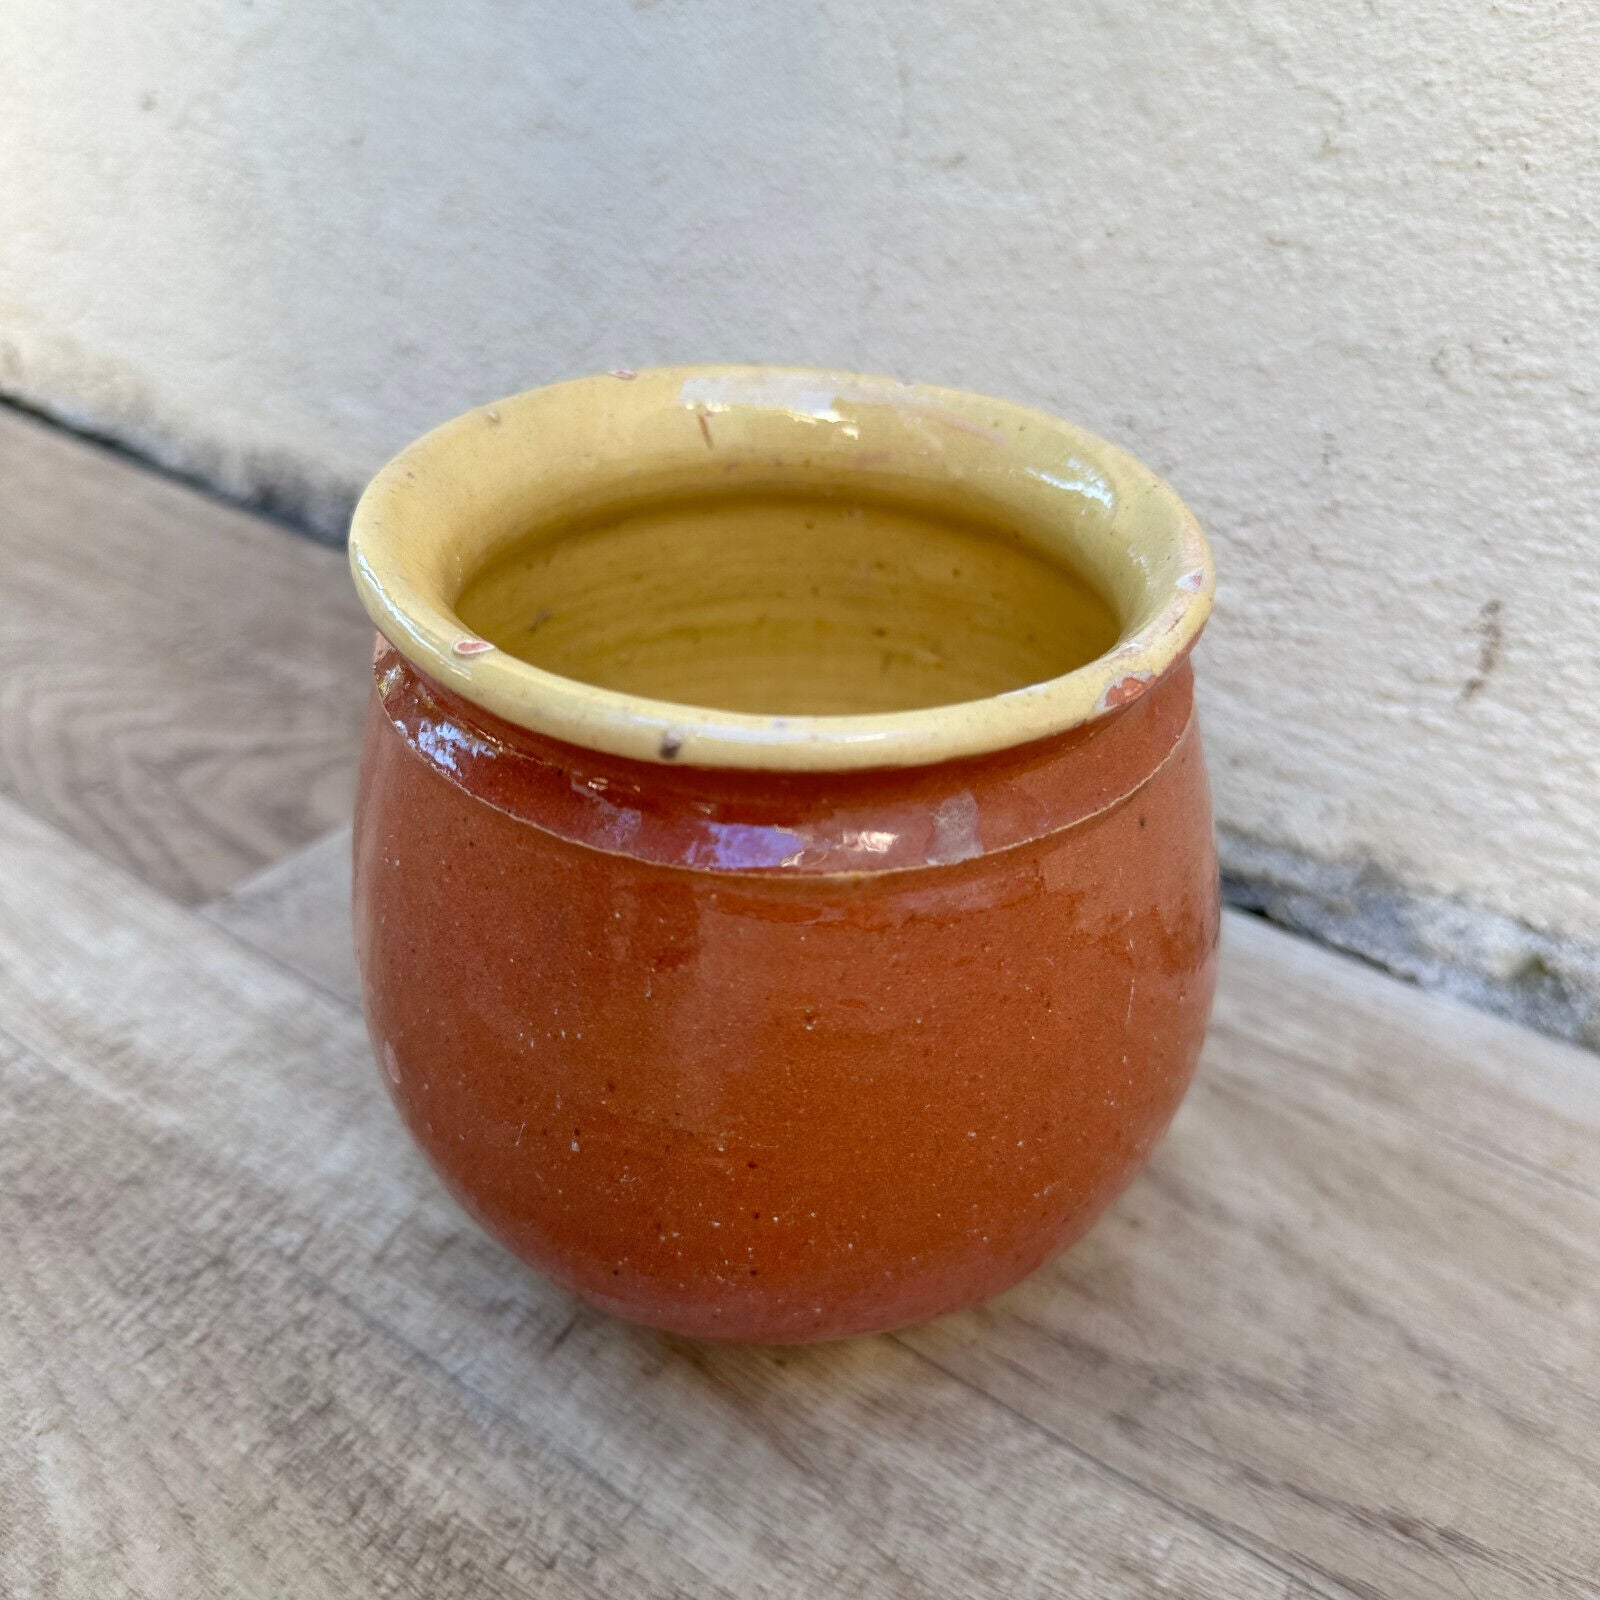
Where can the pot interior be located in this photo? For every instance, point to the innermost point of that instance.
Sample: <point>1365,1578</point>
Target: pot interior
<point>788,605</point>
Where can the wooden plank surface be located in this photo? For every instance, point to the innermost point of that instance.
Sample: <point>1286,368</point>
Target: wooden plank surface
<point>298,912</point>
<point>180,683</point>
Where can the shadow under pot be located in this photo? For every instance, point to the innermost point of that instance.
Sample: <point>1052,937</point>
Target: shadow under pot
<point>786,897</point>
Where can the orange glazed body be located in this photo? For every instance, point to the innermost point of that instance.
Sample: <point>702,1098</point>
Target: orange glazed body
<point>781,1048</point>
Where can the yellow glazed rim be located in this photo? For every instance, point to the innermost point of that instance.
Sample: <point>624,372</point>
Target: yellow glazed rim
<point>464,492</point>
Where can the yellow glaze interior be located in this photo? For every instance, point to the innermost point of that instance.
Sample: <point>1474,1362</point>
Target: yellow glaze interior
<point>789,605</point>
<point>775,568</point>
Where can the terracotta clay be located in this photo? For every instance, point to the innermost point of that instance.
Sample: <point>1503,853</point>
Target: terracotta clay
<point>809,1000</point>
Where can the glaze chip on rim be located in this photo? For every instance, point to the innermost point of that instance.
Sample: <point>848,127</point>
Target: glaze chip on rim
<point>468,490</point>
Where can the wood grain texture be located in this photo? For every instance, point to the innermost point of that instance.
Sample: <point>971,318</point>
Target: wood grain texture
<point>1295,1010</point>
<point>181,684</point>
<point>249,1347</point>
<point>1338,1341</point>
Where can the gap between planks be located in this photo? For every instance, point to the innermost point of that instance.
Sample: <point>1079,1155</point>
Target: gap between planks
<point>183,682</point>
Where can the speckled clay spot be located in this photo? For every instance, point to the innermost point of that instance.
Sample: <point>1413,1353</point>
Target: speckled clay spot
<point>471,647</point>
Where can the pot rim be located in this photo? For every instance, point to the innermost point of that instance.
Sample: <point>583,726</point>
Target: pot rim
<point>448,503</point>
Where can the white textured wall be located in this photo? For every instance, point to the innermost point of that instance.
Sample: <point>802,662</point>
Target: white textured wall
<point>1334,268</point>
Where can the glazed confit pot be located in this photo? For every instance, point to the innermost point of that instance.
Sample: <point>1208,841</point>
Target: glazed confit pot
<point>786,897</point>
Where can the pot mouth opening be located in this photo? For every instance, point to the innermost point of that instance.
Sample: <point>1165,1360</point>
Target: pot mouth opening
<point>773,568</point>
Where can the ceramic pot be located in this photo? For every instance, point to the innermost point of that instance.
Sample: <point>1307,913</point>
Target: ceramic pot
<point>786,897</point>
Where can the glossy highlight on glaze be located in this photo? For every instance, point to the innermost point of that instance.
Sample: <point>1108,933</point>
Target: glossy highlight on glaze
<point>770,1049</point>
